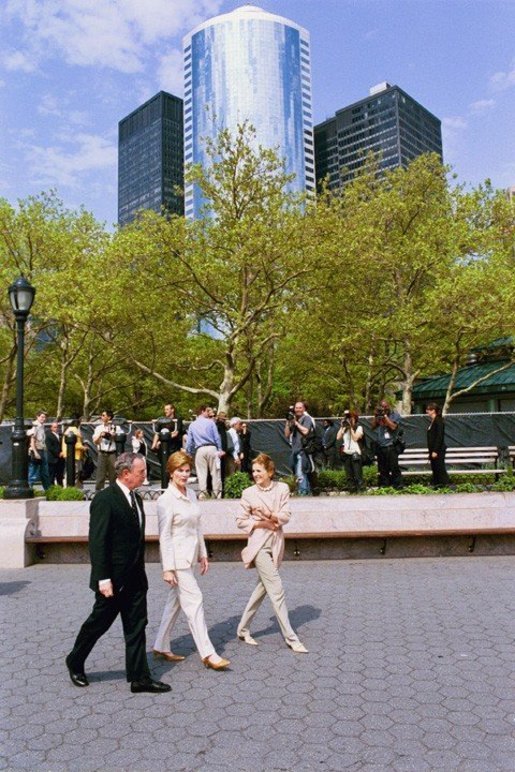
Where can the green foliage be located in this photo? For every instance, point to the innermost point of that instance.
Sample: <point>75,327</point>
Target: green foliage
<point>415,488</point>
<point>332,302</point>
<point>370,475</point>
<point>235,484</point>
<point>468,487</point>
<point>332,480</point>
<point>56,493</point>
<point>2,489</point>
<point>384,492</point>
<point>291,482</point>
<point>505,484</point>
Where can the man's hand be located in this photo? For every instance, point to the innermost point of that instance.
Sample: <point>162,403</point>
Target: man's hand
<point>106,589</point>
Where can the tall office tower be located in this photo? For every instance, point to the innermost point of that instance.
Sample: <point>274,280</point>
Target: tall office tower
<point>388,122</point>
<point>150,158</point>
<point>249,65</point>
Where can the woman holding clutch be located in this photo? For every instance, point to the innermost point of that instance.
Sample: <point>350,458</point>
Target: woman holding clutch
<point>182,546</point>
<point>264,509</point>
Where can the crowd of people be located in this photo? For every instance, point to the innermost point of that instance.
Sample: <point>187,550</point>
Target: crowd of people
<point>221,446</point>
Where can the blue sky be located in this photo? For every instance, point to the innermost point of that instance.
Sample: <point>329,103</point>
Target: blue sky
<point>71,69</point>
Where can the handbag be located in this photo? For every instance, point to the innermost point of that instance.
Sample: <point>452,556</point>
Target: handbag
<point>399,442</point>
<point>311,443</point>
<point>368,452</point>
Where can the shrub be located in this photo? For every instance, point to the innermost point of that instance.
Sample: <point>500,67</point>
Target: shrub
<point>505,484</point>
<point>468,487</point>
<point>417,488</point>
<point>56,493</point>
<point>384,492</point>
<point>291,482</point>
<point>235,484</point>
<point>370,475</point>
<point>2,489</point>
<point>332,480</point>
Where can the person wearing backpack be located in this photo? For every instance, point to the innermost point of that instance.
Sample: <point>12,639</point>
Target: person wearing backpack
<point>351,436</point>
<point>298,425</point>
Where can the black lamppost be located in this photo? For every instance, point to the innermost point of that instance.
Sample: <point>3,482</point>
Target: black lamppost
<point>21,295</point>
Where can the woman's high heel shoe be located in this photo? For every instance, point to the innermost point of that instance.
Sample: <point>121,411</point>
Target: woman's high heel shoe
<point>168,655</point>
<point>247,638</point>
<point>216,665</point>
<point>297,647</point>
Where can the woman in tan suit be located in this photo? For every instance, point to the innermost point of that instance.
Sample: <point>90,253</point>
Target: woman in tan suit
<point>182,547</point>
<point>265,508</point>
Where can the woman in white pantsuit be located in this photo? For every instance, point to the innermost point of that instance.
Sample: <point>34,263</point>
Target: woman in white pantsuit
<point>182,547</point>
<point>264,509</point>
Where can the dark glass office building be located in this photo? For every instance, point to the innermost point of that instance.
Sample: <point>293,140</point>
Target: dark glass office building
<point>389,123</point>
<point>151,158</point>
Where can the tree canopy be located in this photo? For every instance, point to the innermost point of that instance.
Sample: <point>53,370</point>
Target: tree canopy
<point>268,298</point>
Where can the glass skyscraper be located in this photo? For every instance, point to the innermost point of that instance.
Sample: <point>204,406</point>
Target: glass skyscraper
<point>150,158</point>
<point>388,122</point>
<point>249,65</point>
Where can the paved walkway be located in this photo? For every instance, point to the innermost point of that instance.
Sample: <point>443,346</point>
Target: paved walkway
<point>411,667</point>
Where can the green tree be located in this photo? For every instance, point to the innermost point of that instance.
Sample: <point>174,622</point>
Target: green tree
<point>229,280</point>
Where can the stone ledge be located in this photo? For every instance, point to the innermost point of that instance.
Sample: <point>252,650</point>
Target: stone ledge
<point>314,519</point>
<point>327,515</point>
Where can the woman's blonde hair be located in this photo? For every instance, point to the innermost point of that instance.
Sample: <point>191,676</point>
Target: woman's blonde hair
<point>265,461</point>
<point>178,459</point>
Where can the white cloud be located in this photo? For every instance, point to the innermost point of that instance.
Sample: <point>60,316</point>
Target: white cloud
<point>500,81</point>
<point>454,123</point>
<point>17,61</point>
<point>51,105</point>
<point>170,72</point>
<point>482,105</point>
<point>69,165</point>
<point>105,33</point>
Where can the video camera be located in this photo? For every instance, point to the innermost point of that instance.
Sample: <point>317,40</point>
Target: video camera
<point>290,415</point>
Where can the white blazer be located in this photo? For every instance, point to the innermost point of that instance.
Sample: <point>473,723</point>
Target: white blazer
<point>180,539</point>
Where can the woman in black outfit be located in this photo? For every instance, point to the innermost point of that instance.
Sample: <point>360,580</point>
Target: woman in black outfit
<point>436,445</point>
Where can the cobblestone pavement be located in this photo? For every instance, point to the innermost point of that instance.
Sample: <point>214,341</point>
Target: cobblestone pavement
<point>411,667</point>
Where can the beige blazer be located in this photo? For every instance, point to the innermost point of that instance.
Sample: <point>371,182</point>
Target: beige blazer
<point>256,505</point>
<point>180,539</point>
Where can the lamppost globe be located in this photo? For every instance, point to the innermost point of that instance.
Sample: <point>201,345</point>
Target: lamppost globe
<point>21,296</point>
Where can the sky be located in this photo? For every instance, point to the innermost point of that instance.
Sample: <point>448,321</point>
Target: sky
<point>71,69</point>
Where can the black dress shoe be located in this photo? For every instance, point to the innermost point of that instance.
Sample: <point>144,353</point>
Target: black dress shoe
<point>77,679</point>
<point>148,685</point>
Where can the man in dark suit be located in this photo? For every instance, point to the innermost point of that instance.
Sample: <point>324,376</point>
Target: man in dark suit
<point>55,459</point>
<point>117,546</point>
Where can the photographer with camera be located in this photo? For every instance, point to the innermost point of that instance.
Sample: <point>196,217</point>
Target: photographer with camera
<point>298,425</point>
<point>351,434</point>
<point>385,425</point>
<point>104,438</point>
<point>171,421</point>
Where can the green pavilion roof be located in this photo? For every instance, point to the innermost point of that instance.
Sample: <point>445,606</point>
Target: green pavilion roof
<point>436,386</point>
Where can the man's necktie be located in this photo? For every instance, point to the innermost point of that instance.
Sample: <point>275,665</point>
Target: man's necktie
<point>134,507</point>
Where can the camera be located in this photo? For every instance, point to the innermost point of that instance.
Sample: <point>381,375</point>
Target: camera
<point>346,418</point>
<point>290,415</point>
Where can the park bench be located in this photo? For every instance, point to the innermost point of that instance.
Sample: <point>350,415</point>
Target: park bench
<point>478,460</point>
